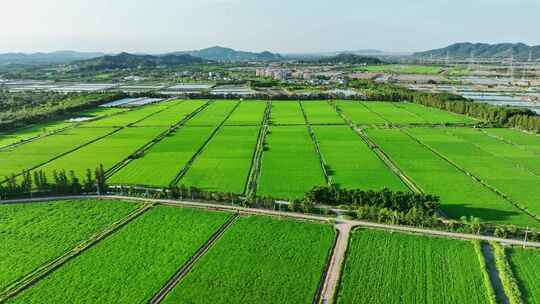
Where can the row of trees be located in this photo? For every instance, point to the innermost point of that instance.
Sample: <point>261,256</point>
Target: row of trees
<point>39,183</point>
<point>395,201</point>
<point>20,109</point>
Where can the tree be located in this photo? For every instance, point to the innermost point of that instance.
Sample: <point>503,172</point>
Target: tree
<point>101,183</point>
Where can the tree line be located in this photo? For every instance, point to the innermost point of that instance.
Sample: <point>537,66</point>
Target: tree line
<point>20,109</point>
<point>58,182</point>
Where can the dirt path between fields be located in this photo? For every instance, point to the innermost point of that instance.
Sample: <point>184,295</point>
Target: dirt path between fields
<point>184,270</point>
<point>333,273</point>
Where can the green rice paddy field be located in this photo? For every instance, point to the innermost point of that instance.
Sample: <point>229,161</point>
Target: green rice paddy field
<point>260,260</point>
<point>383,267</point>
<point>160,164</point>
<point>439,160</point>
<point>290,165</point>
<point>131,265</point>
<point>224,164</point>
<point>489,160</point>
<point>32,234</point>
<point>525,265</point>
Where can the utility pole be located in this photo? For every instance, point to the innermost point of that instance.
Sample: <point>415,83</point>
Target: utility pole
<point>526,234</point>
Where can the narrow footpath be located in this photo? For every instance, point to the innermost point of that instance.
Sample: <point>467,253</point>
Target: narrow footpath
<point>336,262</point>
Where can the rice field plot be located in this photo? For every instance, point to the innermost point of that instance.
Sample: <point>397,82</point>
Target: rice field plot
<point>10,138</point>
<point>100,112</point>
<point>286,113</point>
<point>15,159</point>
<point>353,165</point>
<point>249,113</point>
<point>460,194</point>
<point>213,115</point>
<point>394,114</point>
<point>259,260</point>
<point>435,116</point>
<point>525,265</point>
<point>384,267</point>
<point>131,265</point>
<point>225,163</point>
<point>290,164</point>
<point>32,234</point>
<point>520,157</point>
<point>321,113</point>
<point>40,129</point>
<point>163,161</point>
<point>517,183</point>
<point>359,114</point>
<point>526,141</point>
<point>107,151</point>
<point>171,115</point>
<point>402,69</point>
<point>128,117</point>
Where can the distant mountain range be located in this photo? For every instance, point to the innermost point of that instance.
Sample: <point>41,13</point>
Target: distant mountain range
<point>46,58</point>
<point>519,51</point>
<point>222,54</point>
<point>346,58</point>
<point>219,54</point>
<point>366,52</point>
<point>132,61</point>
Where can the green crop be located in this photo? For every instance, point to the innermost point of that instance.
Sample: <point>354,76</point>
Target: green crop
<point>290,165</point>
<point>525,264</point>
<point>353,165</point>
<point>321,113</point>
<point>460,194</point>
<point>224,164</point>
<point>131,265</point>
<point>33,234</point>
<point>259,260</point>
<point>383,267</point>
<point>163,161</point>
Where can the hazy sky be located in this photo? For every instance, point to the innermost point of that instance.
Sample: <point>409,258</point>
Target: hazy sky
<point>275,25</point>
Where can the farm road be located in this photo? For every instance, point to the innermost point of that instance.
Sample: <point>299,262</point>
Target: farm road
<point>301,216</point>
<point>336,262</point>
